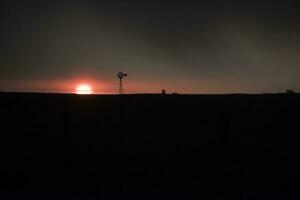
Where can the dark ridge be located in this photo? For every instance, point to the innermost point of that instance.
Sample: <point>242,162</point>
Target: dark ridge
<point>150,146</point>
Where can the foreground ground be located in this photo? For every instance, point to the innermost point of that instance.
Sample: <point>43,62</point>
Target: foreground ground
<point>150,146</point>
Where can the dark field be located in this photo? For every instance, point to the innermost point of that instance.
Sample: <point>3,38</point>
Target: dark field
<point>150,146</point>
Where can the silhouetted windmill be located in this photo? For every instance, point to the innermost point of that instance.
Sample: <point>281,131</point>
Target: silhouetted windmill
<point>121,75</point>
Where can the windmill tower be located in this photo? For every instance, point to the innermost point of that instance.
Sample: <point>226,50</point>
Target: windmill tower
<point>121,75</point>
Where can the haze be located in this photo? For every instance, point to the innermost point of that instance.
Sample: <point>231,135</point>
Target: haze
<point>181,46</point>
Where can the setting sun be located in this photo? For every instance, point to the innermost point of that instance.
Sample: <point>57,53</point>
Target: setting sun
<point>84,89</point>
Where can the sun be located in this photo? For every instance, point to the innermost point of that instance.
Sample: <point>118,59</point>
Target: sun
<point>84,89</point>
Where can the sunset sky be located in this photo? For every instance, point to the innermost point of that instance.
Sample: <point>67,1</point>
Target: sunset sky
<point>207,46</point>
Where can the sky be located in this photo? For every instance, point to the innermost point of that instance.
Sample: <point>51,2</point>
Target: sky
<point>207,46</point>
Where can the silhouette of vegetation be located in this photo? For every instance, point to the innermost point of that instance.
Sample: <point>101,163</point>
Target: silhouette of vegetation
<point>290,92</point>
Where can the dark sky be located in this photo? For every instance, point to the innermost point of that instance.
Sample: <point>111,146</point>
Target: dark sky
<point>207,46</point>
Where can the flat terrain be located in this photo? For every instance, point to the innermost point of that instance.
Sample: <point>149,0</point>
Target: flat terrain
<point>150,146</point>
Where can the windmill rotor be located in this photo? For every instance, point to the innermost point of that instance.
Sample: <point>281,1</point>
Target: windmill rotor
<point>121,75</point>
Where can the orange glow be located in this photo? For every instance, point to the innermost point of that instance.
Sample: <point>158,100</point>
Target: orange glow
<point>84,89</point>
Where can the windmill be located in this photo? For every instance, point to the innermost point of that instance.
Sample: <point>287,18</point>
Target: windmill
<point>121,75</point>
